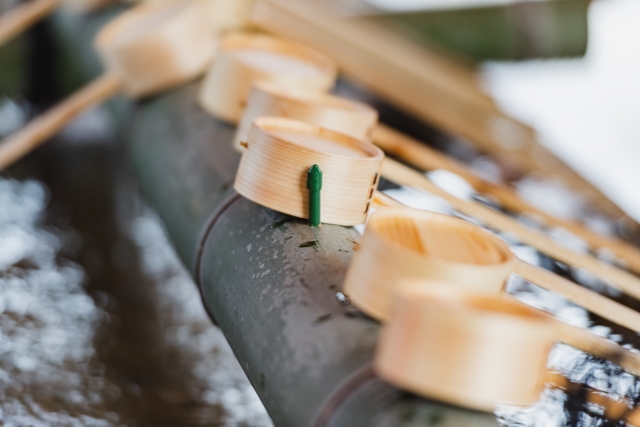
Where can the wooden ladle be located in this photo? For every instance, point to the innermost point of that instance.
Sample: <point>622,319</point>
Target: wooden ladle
<point>402,243</point>
<point>147,49</point>
<point>279,152</point>
<point>475,351</point>
<point>247,58</point>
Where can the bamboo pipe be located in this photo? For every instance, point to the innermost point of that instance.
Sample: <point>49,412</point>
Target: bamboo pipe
<point>623,280</point>
<point>377,265</point>
<point>398,144</point>
<point>145,50</point>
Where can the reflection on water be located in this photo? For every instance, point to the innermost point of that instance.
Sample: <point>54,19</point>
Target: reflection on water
<point>48,369</point>
<point>67,345</point>
<point>214,374</point>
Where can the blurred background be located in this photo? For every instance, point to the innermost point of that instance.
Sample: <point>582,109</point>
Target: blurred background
<point>100,324</point>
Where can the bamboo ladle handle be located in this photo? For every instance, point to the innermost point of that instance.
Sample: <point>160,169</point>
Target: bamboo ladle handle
<point>23,16</point>
<point>584,297</point>
<point>590,343</point>
<point>46,125</point>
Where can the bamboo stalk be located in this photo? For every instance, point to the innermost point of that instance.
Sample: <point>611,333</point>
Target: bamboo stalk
<point>21,17</point>
<point>426,158</point>
<point>585,340</point>
<point>48,124</point>
<point>584,297</point>
<point>623,280</point>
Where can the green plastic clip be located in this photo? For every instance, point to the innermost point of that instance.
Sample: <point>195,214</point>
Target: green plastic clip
<point>314,185</point>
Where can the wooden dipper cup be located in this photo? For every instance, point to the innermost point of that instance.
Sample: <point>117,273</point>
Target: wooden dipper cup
<point>278,154</point>
<point>405,243</point>
<point>245,59</point>
<point>147,49</point>
<point>329,111</point>
<point>470,350</point>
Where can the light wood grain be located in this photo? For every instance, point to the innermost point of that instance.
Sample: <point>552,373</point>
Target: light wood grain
<point>584,297</point>
<point>147,49</point>
<point>398,144</point>
<point>156,46</point>
<point>471,350</point>
<point>618,278</point>
<point>424,83</point>
<point>386,257</point>
<point>329,111</point>
<point>389,255</point>
<point>273,170</point>
<point>247,58</point>
<point>229,15</point>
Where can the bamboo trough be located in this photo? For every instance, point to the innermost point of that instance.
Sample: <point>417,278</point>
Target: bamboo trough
<point>231,282</point>
<point>146,50</point>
